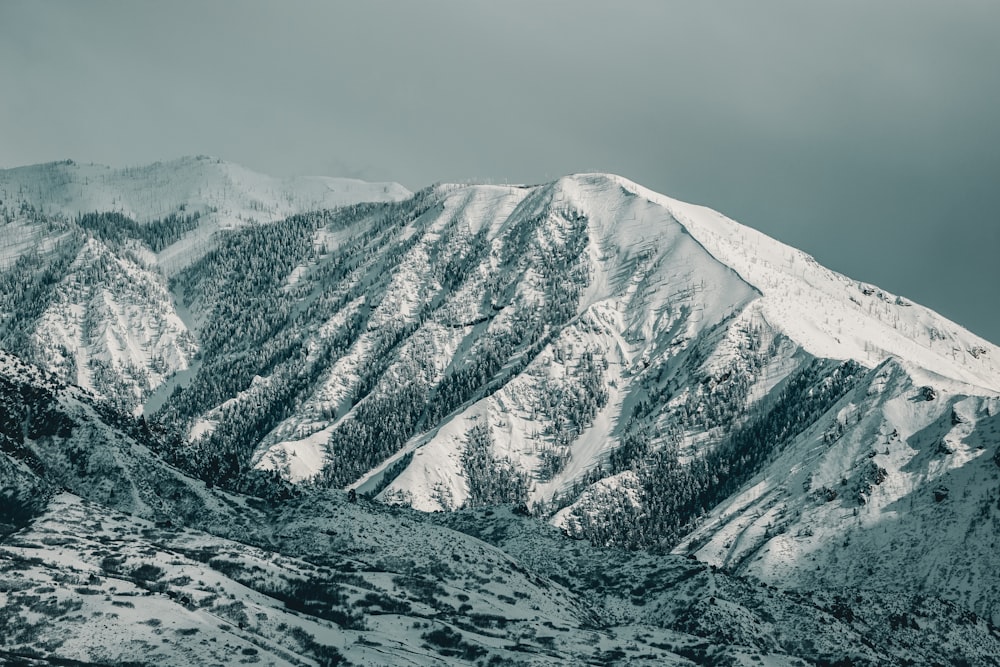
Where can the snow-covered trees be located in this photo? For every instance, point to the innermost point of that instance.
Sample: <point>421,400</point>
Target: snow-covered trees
<point>670,496</point>
<point>491,481</point>
<point>115,228</point>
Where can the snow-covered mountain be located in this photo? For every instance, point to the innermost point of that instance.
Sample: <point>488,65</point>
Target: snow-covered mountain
<point>89,250</point>
<point>637,371</point>
<point>224,195</point>
<point>658,282</point>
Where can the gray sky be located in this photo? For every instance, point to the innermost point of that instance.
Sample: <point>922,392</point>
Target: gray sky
<point>865,133</point>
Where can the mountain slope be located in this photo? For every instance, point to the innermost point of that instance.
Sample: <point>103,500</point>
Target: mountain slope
<point>640,372</point>
<point>896,488</point>
<point>319,580</point>
<point>656,276</point>
<point>560,336</point>
<point>824,312</point>
<point>87,252</point>
<point>624,363</point>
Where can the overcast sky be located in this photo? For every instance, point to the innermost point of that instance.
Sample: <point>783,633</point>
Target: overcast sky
<point>865,133</point>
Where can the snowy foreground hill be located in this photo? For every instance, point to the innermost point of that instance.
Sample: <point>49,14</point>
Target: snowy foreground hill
<point>718,450</point>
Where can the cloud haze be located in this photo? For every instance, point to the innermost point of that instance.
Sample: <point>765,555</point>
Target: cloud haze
<point>864,133</point>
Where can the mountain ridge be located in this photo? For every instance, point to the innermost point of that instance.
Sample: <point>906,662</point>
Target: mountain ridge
<point>660,437</point>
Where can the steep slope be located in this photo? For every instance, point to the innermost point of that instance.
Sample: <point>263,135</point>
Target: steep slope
<point>895,488</point>
<point>111,327</point>
<point>314,581</point>
<point>829,314</point>
<point>97,312</point>
<point>622,364</point>
<point>545,345</point>
<point>86,252</point>
<point>56,436</point>
<point>638,371</point>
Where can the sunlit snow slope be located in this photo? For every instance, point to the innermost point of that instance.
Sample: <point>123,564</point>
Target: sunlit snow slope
<point>611,357</point>
<point>658,279</point>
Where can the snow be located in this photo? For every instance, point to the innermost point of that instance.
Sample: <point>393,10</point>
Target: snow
<point>512,586</point>
<point>202,428</point>
<point>130,324</point>
<point>21,236</point>
<point>828,314</point>
<point>671,290</point>
<point>645,274</point>
<point>299,446</point>
<point>205,425</point>
<point>226,195</point>
<point>299,459</point>
<point>889,491</point>
<point>185,185</point>
<point>126,322</point>
<point>662,274</point>
<point>890,534</point>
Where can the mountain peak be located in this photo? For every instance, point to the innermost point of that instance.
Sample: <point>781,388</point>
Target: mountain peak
<point>829,314</point>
